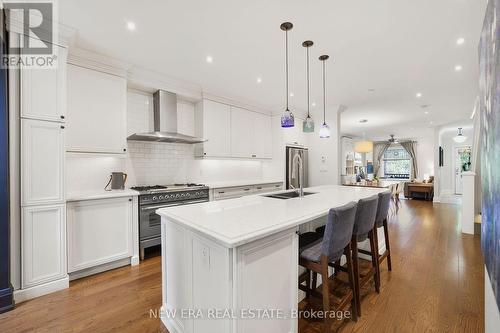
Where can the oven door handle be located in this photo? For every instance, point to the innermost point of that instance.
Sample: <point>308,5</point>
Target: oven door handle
<point>171,205</point>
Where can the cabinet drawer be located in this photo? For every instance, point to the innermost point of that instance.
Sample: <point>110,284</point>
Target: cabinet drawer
<point>232,192</point>
<point>265,188</point>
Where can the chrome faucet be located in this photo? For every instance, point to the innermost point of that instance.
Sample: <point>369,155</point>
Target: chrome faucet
<point>297,159</point>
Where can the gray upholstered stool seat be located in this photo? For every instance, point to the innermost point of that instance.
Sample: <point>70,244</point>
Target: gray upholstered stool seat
<point>313,253</point>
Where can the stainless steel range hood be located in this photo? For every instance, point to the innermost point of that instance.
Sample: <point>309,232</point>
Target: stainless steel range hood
<point>165,121</point>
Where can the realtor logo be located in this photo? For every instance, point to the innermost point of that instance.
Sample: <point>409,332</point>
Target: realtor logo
<point>34,23</point>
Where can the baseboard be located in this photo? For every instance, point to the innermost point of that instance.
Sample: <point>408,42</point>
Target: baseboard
<point>99,269</point>
<point>6,300</point>
<point>22,295</point>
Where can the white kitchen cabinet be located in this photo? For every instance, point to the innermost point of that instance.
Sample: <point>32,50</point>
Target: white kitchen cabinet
<point>42,162</point>
<point>263,137</point>
<point>99,232</point>
<point>97,112</point>
<point>43,91</point>
<point>213,122</point>
<point>43,245</point>
<point>242,133</point>
<point>251,134</point>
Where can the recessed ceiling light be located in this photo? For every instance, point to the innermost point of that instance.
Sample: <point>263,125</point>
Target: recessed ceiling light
<point>426,112</point>
<point>458,68</point>
<point>291,94</point>
<point>362,121</point>
<point>418,95</point>
<point>432,123</point>
<point>313,104</point>
<point>209,59</point>
<point>130,25</point>
<point>259,80</point>
<point>460,41</point>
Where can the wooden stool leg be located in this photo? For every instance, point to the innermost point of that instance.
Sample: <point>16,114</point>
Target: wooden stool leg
<point>354,307</point>
<point>355,270</point>
<point>373,251</point>
<point>314,280</point>
<point>336,271</point>
<point>387,246</point>
<point>326,293</point>
<point>376,250</point>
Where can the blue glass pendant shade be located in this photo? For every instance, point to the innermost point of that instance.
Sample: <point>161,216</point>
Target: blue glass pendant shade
<point>287,119</point>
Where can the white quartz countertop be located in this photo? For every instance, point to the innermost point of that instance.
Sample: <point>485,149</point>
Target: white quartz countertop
<point>94,195</point>
<point>235,222</point>
<point>235,183</point>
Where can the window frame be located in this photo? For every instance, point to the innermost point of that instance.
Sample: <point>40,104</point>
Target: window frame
<point>406,158</point>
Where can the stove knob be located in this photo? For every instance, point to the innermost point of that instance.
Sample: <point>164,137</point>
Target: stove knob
<point>183,195</point>
<point>154,198</point>
<point>188,194</point>
<point>177,195</point>
<point>160,197</point>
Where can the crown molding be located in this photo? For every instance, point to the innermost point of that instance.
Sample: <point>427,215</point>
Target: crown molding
<point>96,61</point>
<point>147,80</point>
<point>238,102</point>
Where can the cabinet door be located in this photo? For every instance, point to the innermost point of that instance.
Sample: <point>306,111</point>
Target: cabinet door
<point>43,91</point>
<point>97,117</point>
<point>263,137</point>
<point>42,162</point>
<point>242,133</point>
<point>99,231</point>
<point>43,253</point>
<point>217,129</point>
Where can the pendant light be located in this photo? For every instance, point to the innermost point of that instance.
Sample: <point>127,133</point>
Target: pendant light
<point>287,118</point>
<point>308,123</point>
<point>460,138</point>
<point>324,131</point>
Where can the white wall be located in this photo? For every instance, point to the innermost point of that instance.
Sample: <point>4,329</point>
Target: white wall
<point>491,313</point>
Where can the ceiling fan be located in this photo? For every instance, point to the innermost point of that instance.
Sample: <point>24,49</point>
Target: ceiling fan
<point>392,139</point>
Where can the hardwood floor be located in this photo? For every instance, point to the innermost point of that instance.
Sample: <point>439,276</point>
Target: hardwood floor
<point>436,285</point>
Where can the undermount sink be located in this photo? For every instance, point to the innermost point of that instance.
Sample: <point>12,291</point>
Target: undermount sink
<point>287,195</point>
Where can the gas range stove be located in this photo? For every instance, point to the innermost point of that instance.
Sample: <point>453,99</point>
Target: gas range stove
<point>152,198</point>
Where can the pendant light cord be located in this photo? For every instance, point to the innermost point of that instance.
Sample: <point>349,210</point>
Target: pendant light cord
<point>286,64</point>
<point>324,94</point>
<point>307,49</point>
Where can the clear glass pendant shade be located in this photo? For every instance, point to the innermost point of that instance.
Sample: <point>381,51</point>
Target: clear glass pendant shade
<point>308,125</point>
<point>324,131</point>
<point>287,119</point>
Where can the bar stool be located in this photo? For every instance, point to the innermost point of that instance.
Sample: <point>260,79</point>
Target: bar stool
<point>335,243</point>
<point>364,226</point>
<point>384,202</point>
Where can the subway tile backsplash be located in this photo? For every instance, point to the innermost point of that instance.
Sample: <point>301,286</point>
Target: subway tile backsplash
<point>152,163</point>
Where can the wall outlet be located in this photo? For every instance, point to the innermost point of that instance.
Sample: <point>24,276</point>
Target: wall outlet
<point>323,167</point>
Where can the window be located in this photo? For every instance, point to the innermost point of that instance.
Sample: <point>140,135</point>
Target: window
<point>397,163</point>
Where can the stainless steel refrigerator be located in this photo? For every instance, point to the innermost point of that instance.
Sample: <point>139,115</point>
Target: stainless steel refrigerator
<point>293,182</point>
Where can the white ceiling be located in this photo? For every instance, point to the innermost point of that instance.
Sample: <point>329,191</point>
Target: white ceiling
<point>397,47</point>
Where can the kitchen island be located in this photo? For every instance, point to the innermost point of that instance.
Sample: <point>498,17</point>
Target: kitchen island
<point>232,265</point>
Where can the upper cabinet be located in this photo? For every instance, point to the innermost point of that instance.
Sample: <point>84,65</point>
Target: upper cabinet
<point>251,134</point>
<point>213,122</point>
<point>232,131</point>
<point>43,91</point>
<point>97,111</point>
